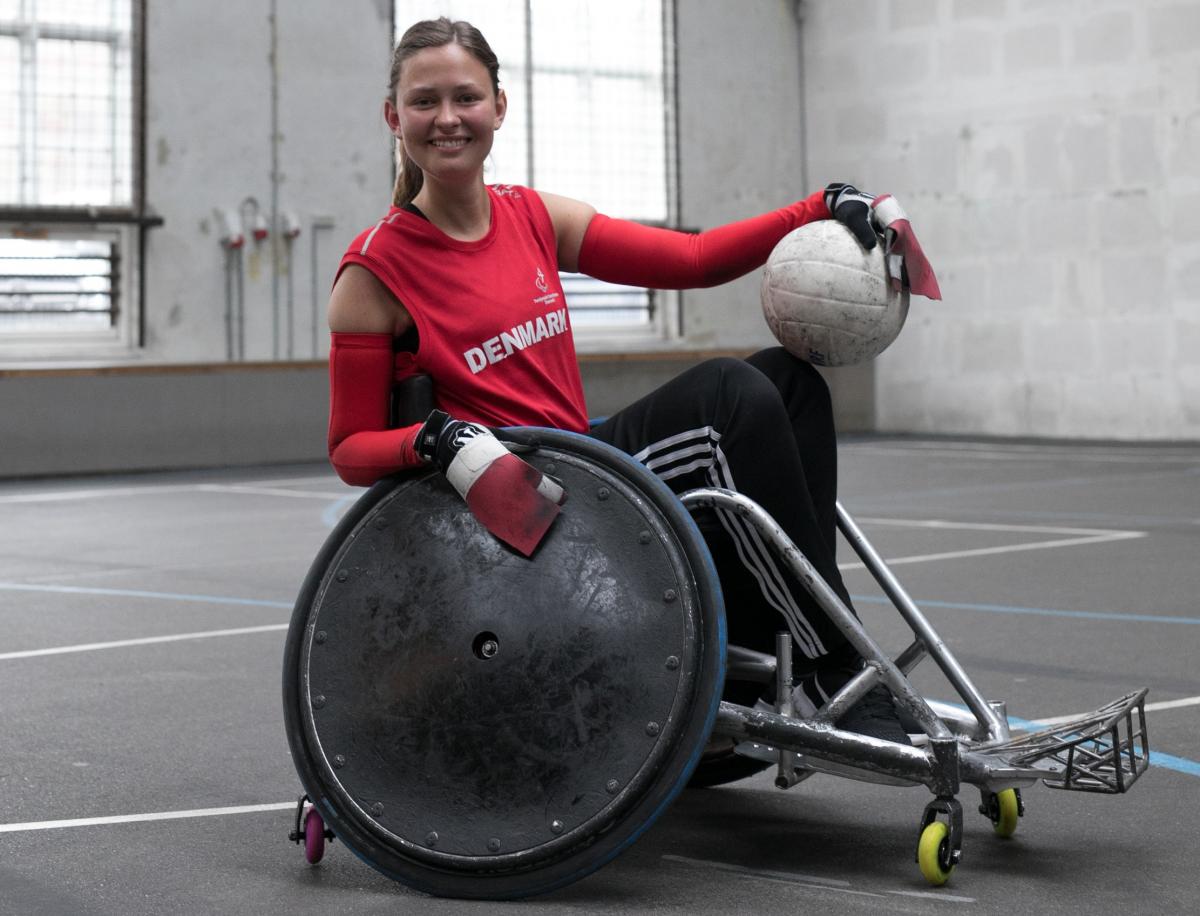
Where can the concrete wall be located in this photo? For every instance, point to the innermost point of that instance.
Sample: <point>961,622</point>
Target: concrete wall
<point>209,146</point>
<point>1049,153</point>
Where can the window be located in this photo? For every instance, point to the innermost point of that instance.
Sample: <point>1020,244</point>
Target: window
<point>68,217</point>
<point>592,116</point>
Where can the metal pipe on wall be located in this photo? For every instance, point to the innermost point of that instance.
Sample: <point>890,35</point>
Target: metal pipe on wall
<point>275,181</point>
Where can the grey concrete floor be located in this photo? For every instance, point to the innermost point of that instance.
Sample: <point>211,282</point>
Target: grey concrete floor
<point>144,766</point>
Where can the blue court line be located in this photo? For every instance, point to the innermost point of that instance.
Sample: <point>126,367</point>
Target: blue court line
<point>1157,758</point>
<point>1034,611</point>
<point>133,593</point>
<point>333,512</point>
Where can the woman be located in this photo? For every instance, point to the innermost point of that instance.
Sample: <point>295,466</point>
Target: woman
<point>460,282</point>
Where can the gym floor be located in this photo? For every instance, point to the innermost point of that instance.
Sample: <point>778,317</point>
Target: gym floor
<point>144,766</point>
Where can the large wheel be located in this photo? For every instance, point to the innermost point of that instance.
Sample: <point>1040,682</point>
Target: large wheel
<point>476,724</point>
<point>719,764</point>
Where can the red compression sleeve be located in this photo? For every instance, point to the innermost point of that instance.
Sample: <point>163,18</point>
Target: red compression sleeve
<point>361,447</point>
<point>620,251</point>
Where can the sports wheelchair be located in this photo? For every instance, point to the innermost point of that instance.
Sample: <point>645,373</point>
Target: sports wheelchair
<point>476,724</point>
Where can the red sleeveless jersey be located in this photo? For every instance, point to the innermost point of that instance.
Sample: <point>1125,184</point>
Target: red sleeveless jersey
<point>494,333</point>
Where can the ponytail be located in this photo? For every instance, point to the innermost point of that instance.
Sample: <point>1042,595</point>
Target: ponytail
<point>409,178</point>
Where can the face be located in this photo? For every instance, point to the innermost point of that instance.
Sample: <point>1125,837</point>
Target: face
<point>445,113</point>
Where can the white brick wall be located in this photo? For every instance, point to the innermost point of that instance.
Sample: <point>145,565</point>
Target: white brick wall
<point>1049,154</point>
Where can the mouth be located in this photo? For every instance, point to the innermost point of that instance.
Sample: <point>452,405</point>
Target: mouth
<point>450,143</point>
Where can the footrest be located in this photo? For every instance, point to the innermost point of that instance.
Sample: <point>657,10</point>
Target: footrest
<point>1102,751</point>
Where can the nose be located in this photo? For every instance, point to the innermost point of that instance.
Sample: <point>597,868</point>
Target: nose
<point>447,116</point>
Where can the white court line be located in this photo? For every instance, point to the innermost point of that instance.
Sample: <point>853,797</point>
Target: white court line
<point>144,641</point>
<point>139,818</point>
<point>271,486</point>
<point>1149,707</point>
<point>266,491</point>
<point>1022,453</point>
<point>988,526</point>
<point>810,881</point>
<point>1086,536</point>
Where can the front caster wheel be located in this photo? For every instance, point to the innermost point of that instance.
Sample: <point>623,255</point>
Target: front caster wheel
<point>934,854</point>
<point>1004,810</point>
<point>314,837</point>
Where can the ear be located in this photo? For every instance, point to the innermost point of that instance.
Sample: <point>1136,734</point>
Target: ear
<point>501,108</point>
<point>392,116</point>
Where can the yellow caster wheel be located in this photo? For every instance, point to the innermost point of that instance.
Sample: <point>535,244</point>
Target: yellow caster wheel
<point>934,854</point>
<point>1008,810</point>
<point>1003,809</point>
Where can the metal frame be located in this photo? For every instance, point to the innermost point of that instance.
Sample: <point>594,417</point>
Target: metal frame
<point>1102,751</point>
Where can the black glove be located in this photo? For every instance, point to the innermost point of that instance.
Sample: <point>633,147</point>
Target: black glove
<point>854,209</point>
<point>512,499</point>
<point>441,438</point>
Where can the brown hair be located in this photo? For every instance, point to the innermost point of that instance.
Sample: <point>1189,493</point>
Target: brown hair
<point>433,33</point>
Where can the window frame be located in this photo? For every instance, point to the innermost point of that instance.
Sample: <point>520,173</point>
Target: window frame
<point>125,225</point>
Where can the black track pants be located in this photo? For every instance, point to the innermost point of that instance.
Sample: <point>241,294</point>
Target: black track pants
<point>762,427</point>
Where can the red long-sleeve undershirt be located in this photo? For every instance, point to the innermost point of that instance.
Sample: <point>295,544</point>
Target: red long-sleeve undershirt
<point>361,447</point>
<point>361,366</point>
<point>620,251</point>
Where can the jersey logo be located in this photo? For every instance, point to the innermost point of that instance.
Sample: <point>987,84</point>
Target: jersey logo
<point>548,297</point>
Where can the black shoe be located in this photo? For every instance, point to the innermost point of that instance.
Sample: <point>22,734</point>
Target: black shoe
<point>875,716</point>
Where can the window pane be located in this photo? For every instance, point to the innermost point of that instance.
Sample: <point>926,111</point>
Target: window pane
<point>617,35</point>
<point>55,285</point>
<point>74,116</point>
<point>65,107</point>
<point>10,118</point>
<point>91,13</point>
<point>600,105</point>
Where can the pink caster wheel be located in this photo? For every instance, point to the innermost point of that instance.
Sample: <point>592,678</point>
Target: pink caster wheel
<point>310,830</point>
<point>314,837</point>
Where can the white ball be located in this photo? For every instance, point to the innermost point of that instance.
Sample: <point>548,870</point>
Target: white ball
<point>828,301</point>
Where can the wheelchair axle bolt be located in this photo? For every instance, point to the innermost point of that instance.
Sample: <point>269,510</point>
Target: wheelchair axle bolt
<point>556,826</point>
